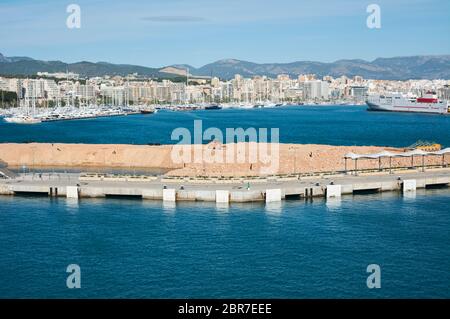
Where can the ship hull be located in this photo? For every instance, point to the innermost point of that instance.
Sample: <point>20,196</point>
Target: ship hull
<point>432,108</point>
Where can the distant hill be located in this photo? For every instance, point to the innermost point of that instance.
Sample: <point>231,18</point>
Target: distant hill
<point>177,70</point>
<point>13,59</point>
<point>28,67</point>
<point>397,68</point>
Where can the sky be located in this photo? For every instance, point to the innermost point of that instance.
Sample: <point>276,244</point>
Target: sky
<point>158,33</point>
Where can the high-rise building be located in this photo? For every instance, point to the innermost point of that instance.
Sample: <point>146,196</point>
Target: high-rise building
<point>359,93</point>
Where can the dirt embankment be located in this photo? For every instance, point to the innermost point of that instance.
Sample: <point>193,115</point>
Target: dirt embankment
<point>213,161</point>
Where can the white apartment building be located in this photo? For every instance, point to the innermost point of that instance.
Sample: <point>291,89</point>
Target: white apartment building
<point>34,88</point>
<point>314,90</point>
<point>85,91</point>
<point>52,89</point>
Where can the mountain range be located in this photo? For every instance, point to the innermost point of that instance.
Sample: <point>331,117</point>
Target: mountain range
<point>27,66</point>
<point>396,68</point>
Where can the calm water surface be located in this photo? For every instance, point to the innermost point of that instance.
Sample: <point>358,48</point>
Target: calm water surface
<point>297,249</point>
<point>335,125</point>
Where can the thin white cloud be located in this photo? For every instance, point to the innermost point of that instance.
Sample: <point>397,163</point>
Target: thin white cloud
<point>173,19</point>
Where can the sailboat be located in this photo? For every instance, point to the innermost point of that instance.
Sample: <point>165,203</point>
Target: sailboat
<point>25,118</point>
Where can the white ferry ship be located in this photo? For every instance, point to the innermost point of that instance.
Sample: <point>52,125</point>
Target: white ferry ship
<point>429,103</point>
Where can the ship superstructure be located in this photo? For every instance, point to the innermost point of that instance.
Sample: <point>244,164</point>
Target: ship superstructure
<point>429,103</point>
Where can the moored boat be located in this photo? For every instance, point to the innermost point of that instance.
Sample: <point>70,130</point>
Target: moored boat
<point>429,103</point>
<point>22,120</point>
<point>146,110</point>
<point>213,107</point>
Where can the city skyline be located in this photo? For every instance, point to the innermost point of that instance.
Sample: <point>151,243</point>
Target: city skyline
<point>60,88</point>
<point>198,32</point>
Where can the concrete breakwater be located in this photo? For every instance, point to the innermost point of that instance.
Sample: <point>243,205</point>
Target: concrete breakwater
<point>273,190</point>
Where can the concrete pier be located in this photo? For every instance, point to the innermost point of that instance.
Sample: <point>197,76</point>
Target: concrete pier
<point>334,191</point>
<point>273,195</point>
<point>222,196</point>
<point>72,192</point>
<point>409,185</point>
<point>169,195</point>
<point>271,189</point>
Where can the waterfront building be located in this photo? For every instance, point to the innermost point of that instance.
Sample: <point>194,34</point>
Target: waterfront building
<point>85,90</point>
<point>135,89</point>
<point>359,93</point>
<point>444,92</point>
<point>358,79</point>
<point>315,90</point>
<point>215,82</point>
<point>51,89</point>
<point>4,84</point>
<point>59,75</point>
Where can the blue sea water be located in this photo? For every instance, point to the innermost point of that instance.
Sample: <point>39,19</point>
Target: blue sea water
<point>335,125</point>
<point>296,249</point>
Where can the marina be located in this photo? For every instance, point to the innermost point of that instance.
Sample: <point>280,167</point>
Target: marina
<point>23,116</point>
<point>389,103</point>
<point>28,113</point>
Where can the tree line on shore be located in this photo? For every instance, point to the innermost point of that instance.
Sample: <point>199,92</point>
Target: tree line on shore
<point>8,99</point>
